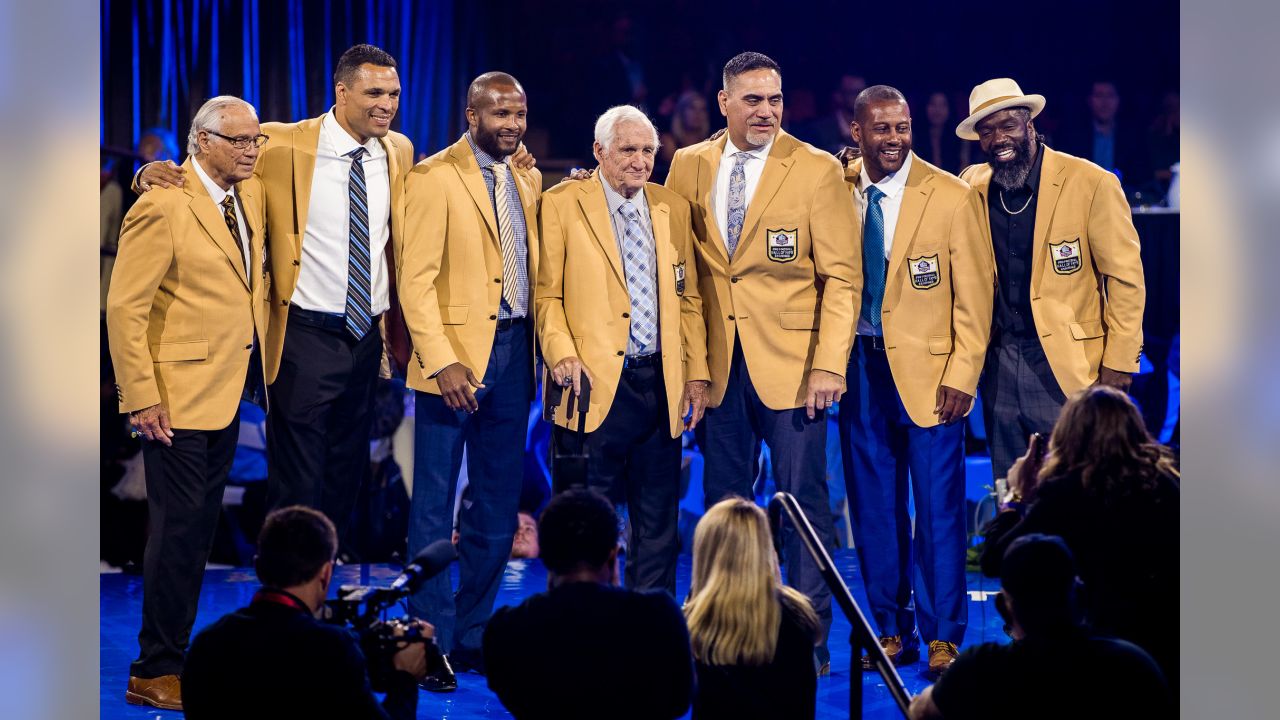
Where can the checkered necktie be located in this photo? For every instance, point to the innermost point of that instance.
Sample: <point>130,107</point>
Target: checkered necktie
<point>229,216</point>
<point>507,236</point>
<point>873,258</point>
<point>640,262</point>
<point>737,203</point>
<point>359,279</point>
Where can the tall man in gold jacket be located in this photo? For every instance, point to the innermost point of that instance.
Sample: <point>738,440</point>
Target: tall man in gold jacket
<point>186,312</point>
<point>913,373</point>
<point>780,275</point>
<point>1070,290</point>
<point>466,271</point>
<point>618,300</point>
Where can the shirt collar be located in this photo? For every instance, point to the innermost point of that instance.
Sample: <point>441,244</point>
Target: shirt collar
<point>615,199</point>
<point>215,192</point>
<point>1033,177</point>
<point>890,184</point>
<point>341,141</point>
<point>485,160</point>
<point>759,153</point>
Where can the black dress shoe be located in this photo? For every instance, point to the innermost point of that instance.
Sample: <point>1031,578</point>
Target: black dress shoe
<point>442,680</point>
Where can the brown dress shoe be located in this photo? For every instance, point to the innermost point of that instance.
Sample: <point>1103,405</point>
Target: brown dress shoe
<point>898,655</point>
<point>941,655</point>
<point>164,692</point>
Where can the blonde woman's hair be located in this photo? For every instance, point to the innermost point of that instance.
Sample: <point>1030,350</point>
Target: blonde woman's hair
<point>735,604</point>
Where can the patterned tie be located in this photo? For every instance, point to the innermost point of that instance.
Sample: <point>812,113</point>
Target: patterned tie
<point>873,258</point>
<point>229,216</point>
<point>359,279</point>
<point>737,202</point>
<point>640,262</point>
<point>507,236</point>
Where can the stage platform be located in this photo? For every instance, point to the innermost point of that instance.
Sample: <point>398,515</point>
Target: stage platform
<point>226,590</point>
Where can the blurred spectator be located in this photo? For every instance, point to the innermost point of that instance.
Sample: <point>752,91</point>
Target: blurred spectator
<point>1112,493</point>
<point>938,142</point>
<point>111,206</point>
<point>831,131</point>
<point>1104,138</point>
<point>1054,668</point>
<point>1163,138</point>
<point>690,124</point>
<point>753,637</point>
<point>157,144</point>
<point>525,544</point>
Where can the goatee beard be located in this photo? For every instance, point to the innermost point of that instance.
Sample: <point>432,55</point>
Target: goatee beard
<point>1013,174</point>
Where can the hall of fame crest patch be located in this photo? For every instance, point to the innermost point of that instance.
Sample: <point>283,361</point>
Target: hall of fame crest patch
<point>1066,256</point>
<point>783,244</point>
<point>924,272</point>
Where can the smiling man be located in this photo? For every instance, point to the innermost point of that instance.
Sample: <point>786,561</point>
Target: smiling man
<point>618,300</point>
<point>1070,293</point>
<point>466,270</point>
<point>922,336</point>
<point>780,274</point>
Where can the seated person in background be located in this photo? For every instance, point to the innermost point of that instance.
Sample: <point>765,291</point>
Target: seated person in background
<point>1054,668</point>
<point>274,659</point>
<point>586,648</point>
<point>1111,492</point>
<point>753,637</point>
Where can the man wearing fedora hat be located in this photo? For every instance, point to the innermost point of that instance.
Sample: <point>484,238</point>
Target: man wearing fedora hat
<point>1069,285</point>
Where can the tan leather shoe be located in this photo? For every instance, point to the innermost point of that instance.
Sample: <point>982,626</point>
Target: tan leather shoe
<point>898,654</point>
<point>941,655</point>
<point>164,692</point>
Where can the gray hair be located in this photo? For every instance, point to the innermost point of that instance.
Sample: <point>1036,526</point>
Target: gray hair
<point>607,125</point>
<point>209,117</point>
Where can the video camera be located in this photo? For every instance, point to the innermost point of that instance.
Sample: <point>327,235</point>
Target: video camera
<point>364,607</point>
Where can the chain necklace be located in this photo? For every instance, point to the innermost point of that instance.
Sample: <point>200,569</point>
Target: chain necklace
<point>1024,205</point>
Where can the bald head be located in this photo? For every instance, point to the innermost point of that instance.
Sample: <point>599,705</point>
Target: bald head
<point>486,87</point>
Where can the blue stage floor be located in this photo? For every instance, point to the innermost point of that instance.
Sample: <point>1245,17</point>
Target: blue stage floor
<point>226,590</point>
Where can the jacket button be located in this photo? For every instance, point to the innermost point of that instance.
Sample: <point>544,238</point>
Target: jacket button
<point>493,317</point>
<point>498,280</point>
<point>626,315</point>
<point>621,353</point>
<point>297,263</point>
<point>248,347</point>
<point>730,317</point>
<point>284,302</point>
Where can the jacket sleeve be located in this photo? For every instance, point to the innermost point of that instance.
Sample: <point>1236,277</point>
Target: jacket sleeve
<point>837,258</point>
<point>1113,241</point>
<point>973,294</point>
<point>693,327</point>
<point>552,325</point>
<point>418,267</point>
<point>145,255</point>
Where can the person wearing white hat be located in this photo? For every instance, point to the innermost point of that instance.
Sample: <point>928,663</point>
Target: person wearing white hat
<point>1069,283</point>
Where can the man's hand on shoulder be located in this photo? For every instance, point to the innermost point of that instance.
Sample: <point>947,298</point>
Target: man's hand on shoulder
<point>523,159</point>
<point>165,174</point>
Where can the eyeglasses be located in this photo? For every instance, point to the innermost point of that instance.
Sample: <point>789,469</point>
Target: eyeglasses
<point>242,143</point>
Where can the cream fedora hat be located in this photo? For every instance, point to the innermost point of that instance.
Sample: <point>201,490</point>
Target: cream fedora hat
<point>993,96</point>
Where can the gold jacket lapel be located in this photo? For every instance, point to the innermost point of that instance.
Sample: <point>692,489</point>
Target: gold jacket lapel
<point>210,217</point>
<point>1050,188</point>
<point>915,196</point>
<point>776,167</point>
<point>596,208</point>
<point>469,170</point>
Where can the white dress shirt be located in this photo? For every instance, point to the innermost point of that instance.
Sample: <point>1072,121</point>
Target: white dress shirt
<point>753,169</point>
<point>326,243</point>
<point>218,195</point>
<point>892,186</point>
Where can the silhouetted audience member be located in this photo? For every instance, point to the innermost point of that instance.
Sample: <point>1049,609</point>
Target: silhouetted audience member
<point>1112,493</point>
<point>690,125</point>
<point>831,131</point>
<point>1109,139</point>
<point>753,637</point>
<point>938,143</point>
<point>1163,138</point>
<point>1054,668</point>
<point>586,648</point>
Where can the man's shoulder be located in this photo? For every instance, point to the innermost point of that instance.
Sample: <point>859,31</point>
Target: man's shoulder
<point>806,154</point>
<point>941,179</point>
<point>661,194</point>
<point>1073,165</point>
<point>567,189</point>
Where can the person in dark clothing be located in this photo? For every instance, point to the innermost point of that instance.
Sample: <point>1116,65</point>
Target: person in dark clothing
<point>274,659</point>
<point>1112,493</point>
<point>1054,668</point>
<point>753,637</point>
<point>586,648</point>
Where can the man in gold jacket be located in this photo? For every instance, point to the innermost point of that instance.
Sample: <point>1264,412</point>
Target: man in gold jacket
<point>466,269</point>
<point>913,373</point>
<point>186,312</point>
<point>618,300</point>
<point>780,276</point>
<point>1070,292</point>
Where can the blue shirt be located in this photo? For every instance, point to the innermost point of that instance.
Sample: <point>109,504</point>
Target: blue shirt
<point>518,227</point>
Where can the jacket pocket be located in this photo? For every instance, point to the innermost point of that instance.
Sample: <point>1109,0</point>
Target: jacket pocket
<point>940,344</point>
<point>179,351</point>
<point>798,320</point>
<point>1086,330</point>
<point>454,314</point>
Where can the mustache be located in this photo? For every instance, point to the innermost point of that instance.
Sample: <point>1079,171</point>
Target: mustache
<point>1012,174</point>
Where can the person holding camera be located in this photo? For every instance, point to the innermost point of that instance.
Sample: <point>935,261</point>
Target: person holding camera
<point>275,659</point>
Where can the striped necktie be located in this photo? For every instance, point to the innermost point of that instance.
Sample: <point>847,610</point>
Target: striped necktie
<point>638,254</point>
<point>359,278</point>
<point>873,265</point>
<point>229,216</point>
<point>507,236</point>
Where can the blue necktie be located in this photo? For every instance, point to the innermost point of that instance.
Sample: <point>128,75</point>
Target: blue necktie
<point>639,261</point>
<point>737,203</point>
<point>873,258</point>
<point>359,280</point>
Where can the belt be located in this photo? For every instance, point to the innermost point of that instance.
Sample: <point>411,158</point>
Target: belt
<point>872,342</point>
<point>324,320</point>
<point>508,323</point>
<point>632,362</point>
